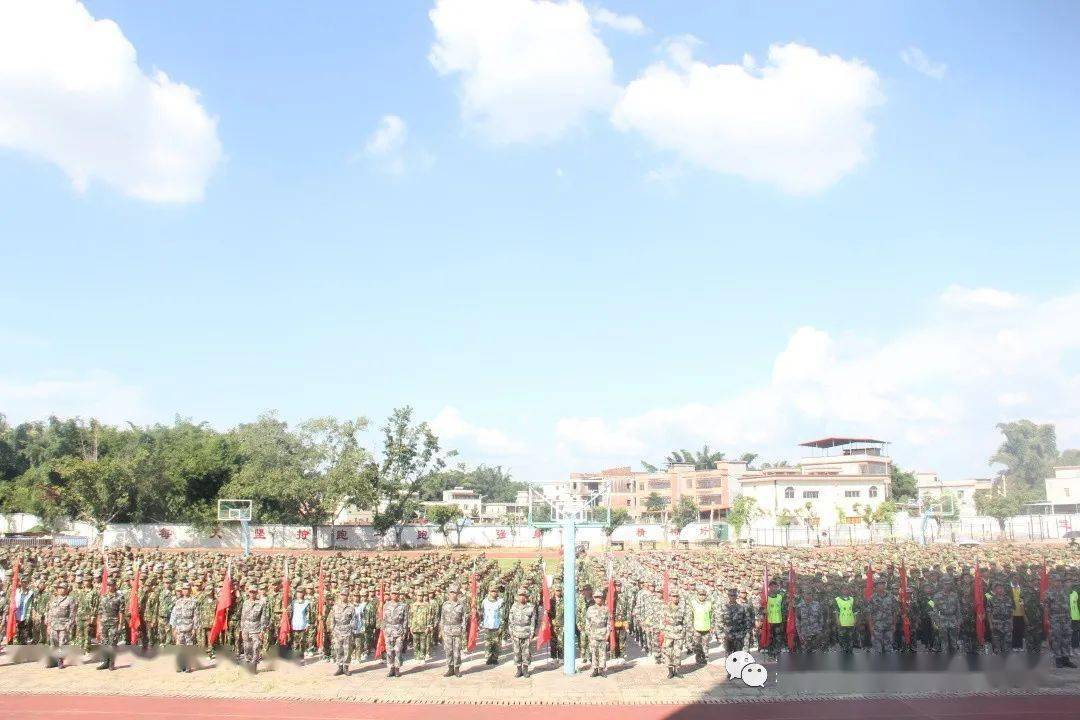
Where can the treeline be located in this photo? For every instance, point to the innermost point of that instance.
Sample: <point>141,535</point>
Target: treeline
<point>88,470</point>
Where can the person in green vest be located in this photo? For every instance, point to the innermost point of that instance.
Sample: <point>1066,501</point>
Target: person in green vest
<point>1074,613</point>
<point>844,611</point>
<point>701,612</point>
<point>775,615</point>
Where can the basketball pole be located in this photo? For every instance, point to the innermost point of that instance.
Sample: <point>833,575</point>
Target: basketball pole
<point>245,537</point>
<point>569,549</point>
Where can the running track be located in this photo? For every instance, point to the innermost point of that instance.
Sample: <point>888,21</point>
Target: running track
<point>73,707</point>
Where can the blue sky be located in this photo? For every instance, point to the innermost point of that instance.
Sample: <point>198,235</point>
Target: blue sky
<point>563,270</point>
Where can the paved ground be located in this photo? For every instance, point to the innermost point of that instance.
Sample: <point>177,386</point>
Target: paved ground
<point>52,707</point>
<point>640,682</point>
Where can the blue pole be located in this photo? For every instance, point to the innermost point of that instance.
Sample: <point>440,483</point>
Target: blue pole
<point>569,545</point>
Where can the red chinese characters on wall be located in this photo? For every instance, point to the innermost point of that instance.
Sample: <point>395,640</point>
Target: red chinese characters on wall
<point>164,533</point>
<point>303,534</point>
<point>500,534</point>
<point>421,534</point>
<point>537,533</point>
<point>260,533</point>
<point>641,532</point>
<point>341,535</point>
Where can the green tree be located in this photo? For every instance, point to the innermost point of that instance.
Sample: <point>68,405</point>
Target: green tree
<point>619,516</point>
<point>903,483</point>
<point>443,517</point>
<point>704,459</point>
<point>1028,452</point>
<point>1000,505</point>
<point>1069,457</point>
<point>655,504</point>
<point>686,512</point>
<point>742,513</point>
<point>749,458</point>
<point>786,518</point>
<point>649,467</point>
<point>410,456</point>
<point>494,484</point>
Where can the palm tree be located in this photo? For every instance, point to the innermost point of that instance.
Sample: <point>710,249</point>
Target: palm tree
<point>702,460</point>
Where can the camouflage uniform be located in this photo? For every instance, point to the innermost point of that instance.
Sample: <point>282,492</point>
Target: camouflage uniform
<point>452,621</point>
<point>111,614</point>
<point>597,625</point>
<point>60,619</point>
<point>522,628</point>
<point>810,623</point>
<point>1000,611</point>
<point>737,620</point>
<point>673,628</point>
<point>85,609</point>
<point>394,623</point>
<point>882,611</point>
<point>341,627</point>
<point>183,620</point>
<point>1057,609</point>
<point>253,620</point>
<point>420,619</point>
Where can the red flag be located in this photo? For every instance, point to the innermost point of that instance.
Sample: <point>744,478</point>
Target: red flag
<point>980,607</point>
<point>224,602</point>
<point>134,615</point>
<point>611,612</point>
<point>791,608</point>
<point>1044,588</point>
<point>320,607</point>
<point>380,644</point>
<point>285,627</point>
<point>905,598</point>
<point>474,620</point>
<point>665,590</point>
<point>11,623</point>
<point>544,636</point>
<point>868,591</point>
<point>766,631</point>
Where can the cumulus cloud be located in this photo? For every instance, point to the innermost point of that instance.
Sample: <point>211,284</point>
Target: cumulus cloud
<point>630,24</point>
<point>915,58</point>
<point>386,144</point>
<point>801,121</point>
<point>450,426</point>
<point>936,391</point>
<point>958,296</point>
<point>529,70</point>
<point>72,93</point>
<point>100,395</point>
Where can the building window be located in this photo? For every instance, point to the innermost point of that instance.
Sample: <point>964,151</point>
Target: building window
<point>873,491</point>
<point>852,493</point>
<point>810,494</point>
<point>789,493</point>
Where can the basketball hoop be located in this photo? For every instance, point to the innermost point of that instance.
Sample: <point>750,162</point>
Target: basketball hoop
<point>236,510</point>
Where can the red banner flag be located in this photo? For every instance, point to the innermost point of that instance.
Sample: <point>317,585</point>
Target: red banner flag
<point>224,602</point>
<point>134,613</point>
<point>285,626</point>
<point>665,590</point>
<point>611,613</point>
<point>380,644</point>
<point>791,608</point>
<point>11,622</point>
<point>980,607</point>
<point>1044,588</point>
<point>544,636</point>
<point>766,631</point>
<point>905,599</point>
<point>868,590</point>
<point>320,608</point>
<point>474,620</point>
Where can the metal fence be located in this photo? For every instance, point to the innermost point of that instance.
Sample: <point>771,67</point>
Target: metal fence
<point>69,540</point>
<point>1024,527</point>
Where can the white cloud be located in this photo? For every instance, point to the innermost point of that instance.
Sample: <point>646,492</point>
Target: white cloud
<point>915,58</point>
<point>450,426</point>
<point>958,296</point>
<point>800,122</point>
<point>72,92</point>
<point>529,70</point>
<point>100,395</point>
<point>630,24</point>
<point>936,391</point>
<point>386,144</point>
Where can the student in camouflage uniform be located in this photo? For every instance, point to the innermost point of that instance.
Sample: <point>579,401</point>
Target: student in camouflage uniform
<point>810,620</point>
<point>557,609</point>
<point>597,626</point>
<point>395,623</point>
<point>341,635</point>
<point>452,622</point>
<point>737,620</point>
<point>183,620</point>
<point>999,608</point>
<point>1057,609</point>
<point>420,619</point>
<point>521,622</point>
<point>166,598</point>
<point>111,608</point>
<point>491,624</point>
<point>207,612</point>
<point>882,609</point>
<point>301,614</point>
<point>703,620</point>
<point>60,621</point>
<point>253,621</point>
<point>846,608</point>
<point>39,607</point>
<point>673,628</point>
<point>85,610</point>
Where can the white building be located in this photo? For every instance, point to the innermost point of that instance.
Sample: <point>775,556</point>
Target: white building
<point>1063,490</point>
<point>930,487</point>
<point>840,477</point>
